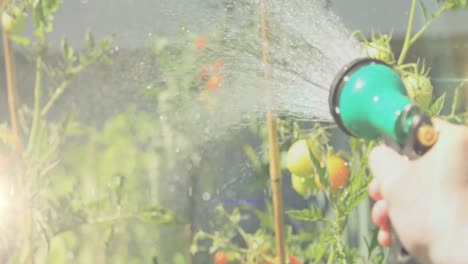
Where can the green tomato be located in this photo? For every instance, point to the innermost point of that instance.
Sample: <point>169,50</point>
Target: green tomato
<point>380,49</point>
<point>304,186</point>
<point>13,22</point>
<point>298,159</point>
<point>419,89</point>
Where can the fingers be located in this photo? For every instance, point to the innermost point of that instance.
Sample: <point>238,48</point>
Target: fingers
<point>380,215</point>
<point>386,166</point>
<point>384,237</point>
<point>374,190</point>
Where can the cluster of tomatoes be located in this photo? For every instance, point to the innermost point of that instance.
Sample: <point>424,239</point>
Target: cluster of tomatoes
<point>222,258</point>
<point>305,176</point>
<point>210,74</point>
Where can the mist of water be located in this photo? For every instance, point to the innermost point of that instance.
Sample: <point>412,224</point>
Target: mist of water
<point>307,45</point>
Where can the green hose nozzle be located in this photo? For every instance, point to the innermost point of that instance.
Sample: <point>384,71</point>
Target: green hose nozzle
<point>368,100</point>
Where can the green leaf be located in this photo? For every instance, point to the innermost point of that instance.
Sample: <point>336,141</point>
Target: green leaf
<point>437,106</point>
<point>424,9</point>
<point>157,215</point>
<point>90,42</point>
<point>455,4</point>
<point>309,215</point>
<point>20,40</point>
<point>67,51</point>
<point>457,101</point>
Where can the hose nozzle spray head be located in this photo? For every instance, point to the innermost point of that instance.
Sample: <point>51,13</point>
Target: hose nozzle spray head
<point>368,100</point>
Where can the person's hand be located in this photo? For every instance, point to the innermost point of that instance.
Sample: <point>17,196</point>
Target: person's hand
<point>427,198</point>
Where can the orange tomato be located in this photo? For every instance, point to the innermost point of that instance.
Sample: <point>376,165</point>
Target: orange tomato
<point>220,258</point>
<point>219,64</point>
<point>214,82</point>
<point>338,172</point>
<point>201,43</point>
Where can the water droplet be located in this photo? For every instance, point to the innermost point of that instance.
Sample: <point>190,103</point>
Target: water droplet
<point>206,196</point>
<point>190,191</point>
<point>84,1</point>
<point>150,34</point>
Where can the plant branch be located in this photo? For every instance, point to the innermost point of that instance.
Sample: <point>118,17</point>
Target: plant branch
<point>55,96</point>
<point>407,43</point>
<point>37,105</point>
<point>434,17</point>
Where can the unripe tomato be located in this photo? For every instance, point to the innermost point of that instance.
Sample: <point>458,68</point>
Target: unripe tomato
<point>207,98</point>
<point>379,52</point>
<point>13,22</point>
<point>303,185</point>
<point>220,258</point>
<point>338,173</point>
<point>419,89</point>
<point>298,159</point>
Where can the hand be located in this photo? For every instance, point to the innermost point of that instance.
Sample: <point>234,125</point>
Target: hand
<point>426,199</point>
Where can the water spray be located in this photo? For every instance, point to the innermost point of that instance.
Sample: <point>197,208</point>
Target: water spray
<point>368,100</point>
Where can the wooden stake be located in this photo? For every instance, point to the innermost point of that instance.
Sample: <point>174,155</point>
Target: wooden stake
<point>10,74</point>
<point>275,169</point>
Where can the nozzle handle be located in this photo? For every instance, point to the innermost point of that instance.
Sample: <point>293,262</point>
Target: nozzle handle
<point>421,137</point>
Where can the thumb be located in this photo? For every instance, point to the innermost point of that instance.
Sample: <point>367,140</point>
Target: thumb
<point>386,166</point>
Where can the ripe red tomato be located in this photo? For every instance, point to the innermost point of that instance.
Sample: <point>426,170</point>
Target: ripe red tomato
<point>294,260</point>
<point>220,258</point>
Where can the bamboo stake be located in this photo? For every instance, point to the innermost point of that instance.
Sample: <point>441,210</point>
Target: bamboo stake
<point>10,74</point>
<point>275,169</point>
<point>11,88</point>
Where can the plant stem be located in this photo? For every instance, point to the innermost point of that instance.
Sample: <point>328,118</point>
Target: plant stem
<point>434,17</point>
<point>55,96</point>
<point>407,43</point>
<point>192,214</point>
<point>275,169</point>
<point>37,105</point>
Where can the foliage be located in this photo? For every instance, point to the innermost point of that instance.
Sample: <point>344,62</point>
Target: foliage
<point>47,204</point>
<point>73,184</point>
